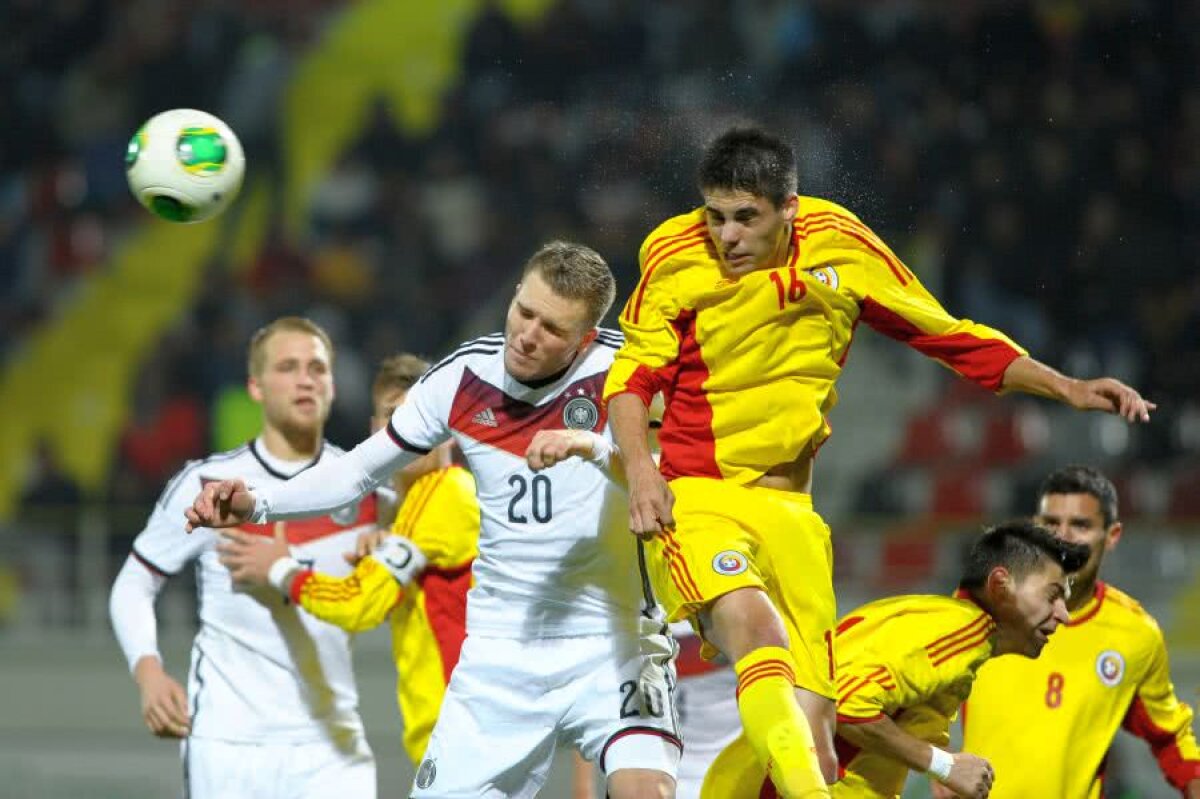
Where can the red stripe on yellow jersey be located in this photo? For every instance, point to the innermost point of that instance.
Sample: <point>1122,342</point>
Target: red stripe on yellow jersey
<point>749,364</point>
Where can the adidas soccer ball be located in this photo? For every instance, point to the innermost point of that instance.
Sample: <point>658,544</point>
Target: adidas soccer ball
<point>185,165</point>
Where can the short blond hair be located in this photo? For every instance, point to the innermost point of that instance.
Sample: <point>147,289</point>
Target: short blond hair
<point>576,272</point>
<point>398,372</point>
<point>256,356</point>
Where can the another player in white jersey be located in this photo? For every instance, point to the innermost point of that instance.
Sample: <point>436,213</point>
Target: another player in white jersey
<point>561,646</point>
<point>271,706</point>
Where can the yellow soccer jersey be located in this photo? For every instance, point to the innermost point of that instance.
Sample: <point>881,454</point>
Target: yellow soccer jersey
<point>440,514</point>
<point>912,658</point>
<point>1046,725</point>
<point>748,365</point>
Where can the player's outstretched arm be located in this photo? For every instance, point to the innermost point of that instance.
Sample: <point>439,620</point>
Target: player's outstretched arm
<point>1106,394</point>
<point>650,498</point>
<point>963,773</point>
<point>361,601</point>
<point>332,484</point>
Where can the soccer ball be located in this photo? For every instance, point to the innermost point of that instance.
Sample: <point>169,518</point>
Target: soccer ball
<point>184,165</point>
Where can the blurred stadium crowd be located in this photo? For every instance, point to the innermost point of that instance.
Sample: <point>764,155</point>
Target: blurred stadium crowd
<point>1034,162</point>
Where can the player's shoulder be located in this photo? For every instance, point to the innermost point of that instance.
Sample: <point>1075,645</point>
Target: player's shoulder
<point>608,340</point>
<point>473,353</point>
<point>813,209</point>
<point>218,465</point>
<point>676,237</point>
<point>1122,609</point>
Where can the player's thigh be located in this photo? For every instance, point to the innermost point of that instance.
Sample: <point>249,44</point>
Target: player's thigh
<point>710,552</point>
<point>495,734</point>
<point>796,560</point>
<point>320,770</point>
<point>214,769</point>
<point>617,721</point>
<point>223,770</point>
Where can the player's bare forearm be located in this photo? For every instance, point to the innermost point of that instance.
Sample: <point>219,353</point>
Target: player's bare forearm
<point>630,422</point>
<point>1107,394</point>
<point>650,498</point>
<point>1193,789</point>
<point>883,736</point>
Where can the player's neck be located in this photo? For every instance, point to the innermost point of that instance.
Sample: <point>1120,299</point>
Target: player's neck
<point>1081,594</point>
<point>292,445</point>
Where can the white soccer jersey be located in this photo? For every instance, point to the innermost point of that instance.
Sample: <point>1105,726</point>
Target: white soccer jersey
<point>261,669</point>
<point>555,554</point>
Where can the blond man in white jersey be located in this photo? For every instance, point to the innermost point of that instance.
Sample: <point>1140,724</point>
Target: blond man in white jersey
<point>555,654</point>
<point>271,707</point>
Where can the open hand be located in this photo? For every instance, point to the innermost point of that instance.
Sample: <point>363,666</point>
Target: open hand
<point>249,557</point>
<point>1112,396</point>
<point>651,503</point>
<point>164,702</point>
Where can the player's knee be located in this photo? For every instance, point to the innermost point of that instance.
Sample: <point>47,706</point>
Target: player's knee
<point>744,620</point>
<point>639,783</point>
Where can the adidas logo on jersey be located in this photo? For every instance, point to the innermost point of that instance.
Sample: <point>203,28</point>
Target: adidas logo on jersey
<point>485,418</point>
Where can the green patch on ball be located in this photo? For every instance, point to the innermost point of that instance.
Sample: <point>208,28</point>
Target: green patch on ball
<point>171,209</point>
<point>201,151</point>
<point>134,150</point>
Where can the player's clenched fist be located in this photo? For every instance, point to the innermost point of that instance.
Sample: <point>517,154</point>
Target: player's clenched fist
<point>222,503</point>
<point>549,447</point>
<point>971,776</point>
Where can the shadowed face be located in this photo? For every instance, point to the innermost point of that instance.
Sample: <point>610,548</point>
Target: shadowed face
<point>543,331</point>
<point>1028,610</point>
<point>1078,518</point>
<point>748,231</point>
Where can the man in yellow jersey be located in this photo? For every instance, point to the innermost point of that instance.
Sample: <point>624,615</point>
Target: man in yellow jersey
<point>743,319</point>
<point>905,663</point>
<point>1047,725</point>
<point>419,575</point>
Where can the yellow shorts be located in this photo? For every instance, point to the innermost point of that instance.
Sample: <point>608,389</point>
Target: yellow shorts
<point>728,537</point>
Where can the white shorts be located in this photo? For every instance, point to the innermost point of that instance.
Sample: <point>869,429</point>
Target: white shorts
<point>708,717</point>
<point>510,704</point>
<point>214,769</point>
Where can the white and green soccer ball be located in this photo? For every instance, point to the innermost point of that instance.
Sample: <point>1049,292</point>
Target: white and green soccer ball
<point>185,165</point>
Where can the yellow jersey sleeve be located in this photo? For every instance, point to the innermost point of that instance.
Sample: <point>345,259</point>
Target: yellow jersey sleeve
<point>1157,716</point>
<point>651,316</point>
<point>440,515</point>
<point>357,602</point>
<point>892,300</point>
<point>909,652</point>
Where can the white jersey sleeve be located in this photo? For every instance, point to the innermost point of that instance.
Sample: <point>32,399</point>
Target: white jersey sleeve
<point>164,545</point>
<point>334,483</point>
<point>131,610</point>
<point>160,550</point>
<point>422,421</point>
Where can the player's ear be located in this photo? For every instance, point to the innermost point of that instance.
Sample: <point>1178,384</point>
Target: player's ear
<point>588,338</point>
<point>1000,585</point>
<point>254,389</point>
<point>791,206</point>
<point>1114,535</point>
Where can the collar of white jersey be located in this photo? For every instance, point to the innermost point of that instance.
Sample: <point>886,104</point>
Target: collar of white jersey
<point>278,467</point>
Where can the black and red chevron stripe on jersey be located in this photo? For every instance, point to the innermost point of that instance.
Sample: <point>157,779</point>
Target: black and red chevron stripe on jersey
<point>514,422</point>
